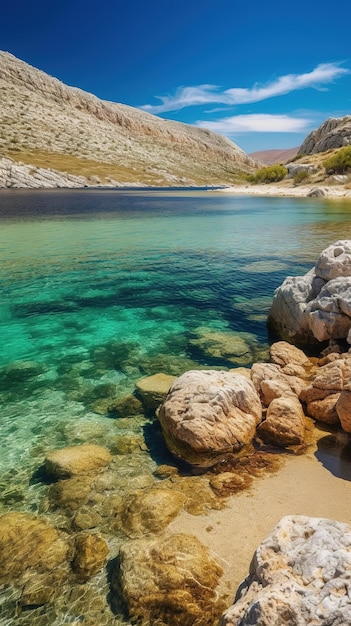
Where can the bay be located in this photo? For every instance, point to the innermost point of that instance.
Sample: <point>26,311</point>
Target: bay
<point>102,287</point>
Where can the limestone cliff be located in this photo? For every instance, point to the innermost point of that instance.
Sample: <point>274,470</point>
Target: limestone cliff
<point>335,132</point>
<point>47,124</point>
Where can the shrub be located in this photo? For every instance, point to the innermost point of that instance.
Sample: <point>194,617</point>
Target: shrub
<point>300,176</point>
<point>340,162</point>
<point>270,174</point>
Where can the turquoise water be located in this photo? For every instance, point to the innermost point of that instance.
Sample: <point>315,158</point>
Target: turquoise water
<point>101,288</point>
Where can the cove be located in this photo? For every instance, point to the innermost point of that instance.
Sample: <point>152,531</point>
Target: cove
<point>101,288</point>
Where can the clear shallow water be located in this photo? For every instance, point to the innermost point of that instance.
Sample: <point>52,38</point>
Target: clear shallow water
<point>101,288</point>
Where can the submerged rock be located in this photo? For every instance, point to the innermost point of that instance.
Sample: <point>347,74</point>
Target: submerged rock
<point>170,580</point>
<point>232,347</point>
<point>316,307</point>
<point>208,414</point>
<point>90,555</point>
<point>153,389</point>
<point>299,575</point>
<point>150,510</point>
<point>75,460</point>
<point>33,557</point>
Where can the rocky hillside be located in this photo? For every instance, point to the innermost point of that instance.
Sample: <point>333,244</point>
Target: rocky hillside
<point>46,124</point>
<point>335,132</point>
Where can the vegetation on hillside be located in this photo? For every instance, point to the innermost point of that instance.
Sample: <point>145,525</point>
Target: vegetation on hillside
<point>270,174</point>
<point>340,162</point>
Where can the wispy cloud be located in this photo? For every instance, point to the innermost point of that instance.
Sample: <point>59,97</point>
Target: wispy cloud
<point>323,74</point>
<point>259,123</point>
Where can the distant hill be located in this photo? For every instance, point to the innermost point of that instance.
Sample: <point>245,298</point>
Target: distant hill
<point>270,157</point>
<point>46,124</point>
<point>335,132</point>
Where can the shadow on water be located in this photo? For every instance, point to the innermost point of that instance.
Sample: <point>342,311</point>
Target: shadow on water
<point>334,452</point>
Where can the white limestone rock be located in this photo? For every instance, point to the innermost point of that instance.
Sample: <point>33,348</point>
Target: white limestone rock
<point>316,307</point>
<point>208,414</point>
<point>299,575</point>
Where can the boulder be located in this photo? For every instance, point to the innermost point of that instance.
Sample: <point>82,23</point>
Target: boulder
<point>299,575</point>
<point>208,414</point>
<point>271,382</point>
<point>316,307</point>
<point>343,409</point>
<point>170,580</point>
<point>75,460</point>
<point>284,424</point>
<point>153,389</point>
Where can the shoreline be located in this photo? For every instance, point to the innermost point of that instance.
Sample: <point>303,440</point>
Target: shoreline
<point>299,191</point>
<point>316,484</point>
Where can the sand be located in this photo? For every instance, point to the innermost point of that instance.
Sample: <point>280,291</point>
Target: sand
<point>317,484</point>
<point>288,190</point>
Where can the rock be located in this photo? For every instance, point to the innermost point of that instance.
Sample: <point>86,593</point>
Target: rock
<point>153,389</point>
<point>317,192</point>
<point>335,132</point>
<point>90,555</point>
<point>271,382</point>
<point>232,347</point>
<point>70,494</point>
<point>208,414</point>
<point>29,543</point>
<point>126,406</point>
<point>170,580</point>
<point>150,510</point>
<point>296,168</point>
<point>284,354</point>
<point>75,460</point>
<point>343,409</point>
<point>284,424</point>
<point>299,575</point>
<point>316,307</point>
<point>324,410</point>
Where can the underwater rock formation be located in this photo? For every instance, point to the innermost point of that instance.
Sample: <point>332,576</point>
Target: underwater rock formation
<point>75,460</point>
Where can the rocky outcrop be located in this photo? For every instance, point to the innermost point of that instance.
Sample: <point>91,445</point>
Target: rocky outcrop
<point>299,575</point>
<point>170,580</point>
<point>16,175</point>
<point>208,414</point>
<point>48,124</point>
<point>316,307</point>
<point>75,460</point>
<point>335,132</point>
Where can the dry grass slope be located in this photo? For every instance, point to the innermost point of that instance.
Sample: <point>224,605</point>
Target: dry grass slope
<point>47,124</point>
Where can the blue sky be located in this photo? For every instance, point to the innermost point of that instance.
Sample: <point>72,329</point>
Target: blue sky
<point>263,73</point>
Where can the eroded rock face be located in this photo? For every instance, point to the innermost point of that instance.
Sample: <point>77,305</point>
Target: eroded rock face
<point>316,307</point>
<point>208,414</point>
<point>171,579</point>
<point>299,575</point>
<point>335,132</point>
<point>76,460</point>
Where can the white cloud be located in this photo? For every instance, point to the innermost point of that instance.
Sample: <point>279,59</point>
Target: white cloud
<point>259,123</point>
<point>321,75</point>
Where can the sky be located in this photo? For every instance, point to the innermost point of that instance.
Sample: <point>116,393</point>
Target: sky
<point>262,73</point>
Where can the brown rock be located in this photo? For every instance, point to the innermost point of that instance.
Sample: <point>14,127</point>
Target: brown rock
<point>343,409</point>
<point>27,543</point>
<point>71,493</point>
<point>285,423</point>
<point>153,389</point>
<point>90,555</point>
<point>170,580</point>
<point>75,460</point>
<point>151,510</point>
<point>270,381</point>
<point>283,353</point>
<point>324,410</point>
<point>209,414</point>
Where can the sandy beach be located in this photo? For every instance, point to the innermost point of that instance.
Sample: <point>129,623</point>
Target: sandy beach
<point>289,190</point>
<point>317,484</point>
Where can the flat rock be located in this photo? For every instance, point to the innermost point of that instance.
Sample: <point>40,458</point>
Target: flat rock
<point>170,580</point>
<point>75,460</point>
<point>153,389</point>
<point>299,575</point>
<point>208,414</point>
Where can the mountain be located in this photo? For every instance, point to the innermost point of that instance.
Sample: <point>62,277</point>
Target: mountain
<point>270,157</point>
<point>335,132</point>
<point>46,124</point>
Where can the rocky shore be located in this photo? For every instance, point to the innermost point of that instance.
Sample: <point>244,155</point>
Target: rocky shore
<point>260,470</point>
